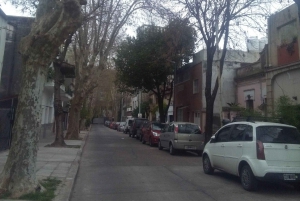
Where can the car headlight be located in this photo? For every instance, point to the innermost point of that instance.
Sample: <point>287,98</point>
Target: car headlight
<point>155,134</point>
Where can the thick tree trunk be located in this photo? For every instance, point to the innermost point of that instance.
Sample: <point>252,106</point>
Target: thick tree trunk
<point>58,109</point>
<point>162,117</point>
<point>55,20</point>
<point>74,118</point>
<point>18,175</point>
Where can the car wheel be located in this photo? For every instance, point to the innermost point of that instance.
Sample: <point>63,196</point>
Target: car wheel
<point>129,134</point>
<point>143,141</point>
<point>248,180</point>
<point>172,150</point>
<point>159,146</point>
<point>141,138</point>
<point>207,168</point>
<point>150,142</point>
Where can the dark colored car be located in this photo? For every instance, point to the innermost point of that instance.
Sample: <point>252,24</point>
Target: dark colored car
<point>151,133</point>
<point>139,133</point>
<point>136,124</point>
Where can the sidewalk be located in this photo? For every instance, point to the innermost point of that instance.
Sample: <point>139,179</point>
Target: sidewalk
<point>61,163</point>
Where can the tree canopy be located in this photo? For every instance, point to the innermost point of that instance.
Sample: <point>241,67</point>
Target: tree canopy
<point>148,61</point>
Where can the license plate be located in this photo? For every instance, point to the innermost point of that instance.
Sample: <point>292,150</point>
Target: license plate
<point>289,177</point>
<point>190,147</point>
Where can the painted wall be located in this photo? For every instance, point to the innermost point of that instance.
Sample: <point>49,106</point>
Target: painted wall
<point>3,27</point>
<point>227,93</point>
<point>288,84</point>
<point>256,85</point>
<point>282,28</point>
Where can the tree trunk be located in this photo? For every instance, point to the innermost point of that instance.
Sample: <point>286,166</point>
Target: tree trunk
<point>58,109</point>
<point>55,20</point>
<point>160,101</point>
<point>209,119</point>
<point>74,118</point>
<point>18,175</point>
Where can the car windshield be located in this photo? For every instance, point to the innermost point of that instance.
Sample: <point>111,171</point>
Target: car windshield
<point>278,134</point>
<point>188,129</point>
<point>138,122</point>
<point>157,126</point>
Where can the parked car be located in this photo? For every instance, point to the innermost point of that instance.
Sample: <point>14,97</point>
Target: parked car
<point>136,124</point>
<point>139,133</point>
<point>255,151</point>
<point>128,124</point>
<point>107,123</point>
<point>182,136</point>
<point>112,125</point>
<point>116,125</point>
<point>121,126</point>
<point>151,132</point>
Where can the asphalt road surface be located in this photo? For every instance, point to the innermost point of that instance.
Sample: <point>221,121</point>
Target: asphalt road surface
<point>115,167</point>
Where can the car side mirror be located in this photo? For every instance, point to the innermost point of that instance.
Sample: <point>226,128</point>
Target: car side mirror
<point>213,139</point>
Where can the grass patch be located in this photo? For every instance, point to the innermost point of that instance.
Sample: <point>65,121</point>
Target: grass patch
<point>50,185</point>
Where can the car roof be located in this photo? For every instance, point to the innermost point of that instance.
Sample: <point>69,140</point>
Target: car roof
<point>182,122</point>
<point>260,123</point>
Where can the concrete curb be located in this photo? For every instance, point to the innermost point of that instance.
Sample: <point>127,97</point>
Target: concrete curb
<point>67,185</point>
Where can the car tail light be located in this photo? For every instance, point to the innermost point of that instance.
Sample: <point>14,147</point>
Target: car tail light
<point>260,152</point>
<point>176,129</point>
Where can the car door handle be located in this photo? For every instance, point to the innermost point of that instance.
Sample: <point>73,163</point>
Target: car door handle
<point>239,145</point>
<point>222,145</point>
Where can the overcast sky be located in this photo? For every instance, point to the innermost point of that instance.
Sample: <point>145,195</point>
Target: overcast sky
<point>8,9</point>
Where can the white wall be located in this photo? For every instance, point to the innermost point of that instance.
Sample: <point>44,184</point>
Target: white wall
<point>287,84</point>
<point>233,60</point>
<point>3,26</point>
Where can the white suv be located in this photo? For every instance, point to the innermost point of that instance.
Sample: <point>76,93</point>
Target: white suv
<point>255,151</point>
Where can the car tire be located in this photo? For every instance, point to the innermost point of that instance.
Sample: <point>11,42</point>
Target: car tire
<point>207,168</point>
<point>143,141</point>
<point>159,146</point>
<point>129,134</point>
<point>172,150</point>
<point>141,138</point>
<point>150,142</point>
<point>248,180</point>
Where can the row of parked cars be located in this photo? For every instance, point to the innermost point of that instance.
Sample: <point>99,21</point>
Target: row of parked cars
<point>254,151</point>
<point>176,136</point>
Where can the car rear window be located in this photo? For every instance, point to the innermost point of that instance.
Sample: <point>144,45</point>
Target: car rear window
<point>130,122</point>
<point>278,134</point>
<point>188,129</point>
<point>138,122</point>
<point>158,126</point>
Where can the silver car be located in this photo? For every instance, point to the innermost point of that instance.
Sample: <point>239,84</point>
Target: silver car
<point>182,136</point>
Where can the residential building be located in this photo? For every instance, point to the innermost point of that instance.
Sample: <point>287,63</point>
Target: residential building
<point>190,84</point>
<point>277,72</point>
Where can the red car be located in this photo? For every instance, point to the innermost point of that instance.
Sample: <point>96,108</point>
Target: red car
<point>151,132</point>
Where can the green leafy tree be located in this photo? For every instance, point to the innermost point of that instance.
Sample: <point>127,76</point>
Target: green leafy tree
<point>288,111</point>
<point>148,62</point>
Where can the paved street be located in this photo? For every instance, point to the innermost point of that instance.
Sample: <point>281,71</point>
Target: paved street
<point>115,167</point>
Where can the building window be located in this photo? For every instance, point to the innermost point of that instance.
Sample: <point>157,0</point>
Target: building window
<point>249,103</point>
<point>195,86</point>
